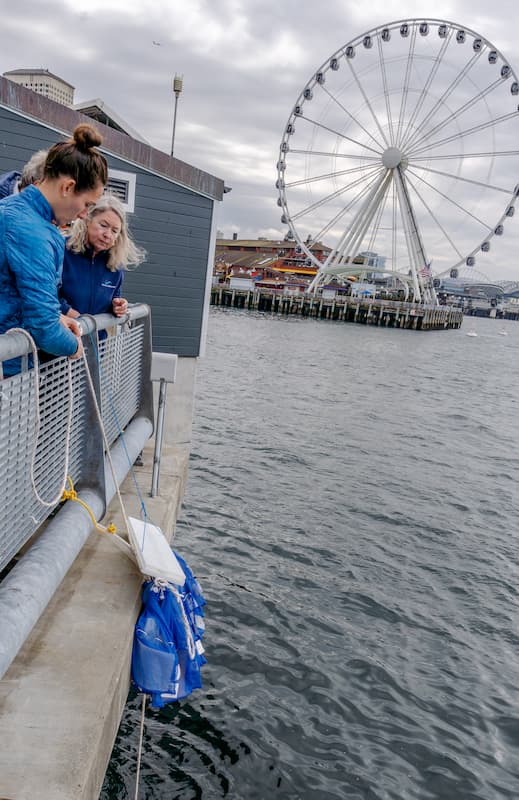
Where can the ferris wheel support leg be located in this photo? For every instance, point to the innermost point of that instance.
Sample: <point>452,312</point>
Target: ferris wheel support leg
<point>360,231</point>
<point>347,249</point>
<point>344,246</point>
<point>415,246</point>
<point>316,282</point>
<point>430,295</point>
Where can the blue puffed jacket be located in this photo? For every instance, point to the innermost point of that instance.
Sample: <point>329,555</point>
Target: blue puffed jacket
<point>87,284</point>
<point>31,259</point>
<point>8,182</point>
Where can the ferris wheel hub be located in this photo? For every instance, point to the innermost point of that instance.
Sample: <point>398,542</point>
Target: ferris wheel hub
<point>392,157</point>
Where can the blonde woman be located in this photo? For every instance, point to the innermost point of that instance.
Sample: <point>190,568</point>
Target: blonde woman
<point>98,250</point>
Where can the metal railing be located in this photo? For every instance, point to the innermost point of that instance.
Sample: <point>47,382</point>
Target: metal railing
<point>120,366</point>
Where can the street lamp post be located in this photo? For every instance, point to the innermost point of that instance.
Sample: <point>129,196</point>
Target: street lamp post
<point>177,88</point>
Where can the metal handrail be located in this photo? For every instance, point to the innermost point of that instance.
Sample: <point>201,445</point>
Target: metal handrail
<point>120,365</point>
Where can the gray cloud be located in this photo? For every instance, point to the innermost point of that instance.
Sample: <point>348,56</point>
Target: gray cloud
<point>244,64</point>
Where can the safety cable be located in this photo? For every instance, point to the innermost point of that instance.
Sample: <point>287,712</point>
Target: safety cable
<point>36,372</point>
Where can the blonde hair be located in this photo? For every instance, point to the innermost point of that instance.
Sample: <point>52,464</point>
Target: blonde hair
<point>124,253</point>
<point>33,170</point>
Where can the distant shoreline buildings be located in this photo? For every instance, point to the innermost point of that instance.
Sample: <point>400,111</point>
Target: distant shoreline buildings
<point>272,261</point>
<point>282,265</point>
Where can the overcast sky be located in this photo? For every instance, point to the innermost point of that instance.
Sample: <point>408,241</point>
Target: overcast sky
<point>244,63</point>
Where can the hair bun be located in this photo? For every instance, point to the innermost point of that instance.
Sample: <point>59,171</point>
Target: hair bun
<point>85,137</point>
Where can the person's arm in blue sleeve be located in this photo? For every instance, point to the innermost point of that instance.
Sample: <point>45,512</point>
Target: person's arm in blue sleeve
<point>63,304</point>
<point>33,266</point>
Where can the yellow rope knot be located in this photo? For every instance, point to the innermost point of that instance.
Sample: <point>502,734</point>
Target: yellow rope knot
<point>71,494</point>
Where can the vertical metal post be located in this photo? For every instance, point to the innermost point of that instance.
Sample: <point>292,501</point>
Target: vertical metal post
<point>159,433</point>
<point>146,390</point>
<point>163,371</point>
<point>177,88</point>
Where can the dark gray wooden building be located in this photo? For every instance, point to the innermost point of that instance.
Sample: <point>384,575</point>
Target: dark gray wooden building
<point>171,208</point>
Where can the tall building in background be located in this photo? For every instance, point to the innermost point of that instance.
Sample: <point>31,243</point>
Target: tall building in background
<point>43,82</point>
<point>46,83</point>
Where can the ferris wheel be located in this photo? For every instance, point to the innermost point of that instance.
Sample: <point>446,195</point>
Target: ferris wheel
<point>400,155</point>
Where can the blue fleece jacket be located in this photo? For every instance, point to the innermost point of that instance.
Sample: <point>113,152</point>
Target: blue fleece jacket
<point>87,285</point>
<point>31,258</point>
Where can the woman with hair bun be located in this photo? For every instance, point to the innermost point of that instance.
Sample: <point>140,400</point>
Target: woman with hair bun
<point>32,247</point>
<point>99,248</point>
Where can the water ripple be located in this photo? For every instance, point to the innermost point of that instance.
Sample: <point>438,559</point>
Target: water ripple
<point>354,525</point>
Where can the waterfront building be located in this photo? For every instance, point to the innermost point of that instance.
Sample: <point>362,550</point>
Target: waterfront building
<point>282,264</point>
<point>372,259</point>
<point>266,259</point>
<point>171,207</point>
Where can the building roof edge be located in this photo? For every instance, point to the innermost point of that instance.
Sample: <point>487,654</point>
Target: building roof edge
<point>38,71</point>
<point>41,109</point>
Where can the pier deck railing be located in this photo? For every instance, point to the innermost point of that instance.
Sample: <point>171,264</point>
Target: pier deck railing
<point>51,430</point>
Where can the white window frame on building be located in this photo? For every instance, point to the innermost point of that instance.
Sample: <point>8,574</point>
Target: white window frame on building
<point>124,180</point>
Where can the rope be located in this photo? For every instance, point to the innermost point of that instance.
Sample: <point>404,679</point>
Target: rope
<point>191,647</point>
<point>105,440</point>
<point>119,429</point>
<point>139,749</point>
<point>36,369</point>
<point>144,512</point>
<point>71,494</point>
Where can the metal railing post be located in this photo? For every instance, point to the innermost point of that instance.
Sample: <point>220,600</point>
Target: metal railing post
<point>163,370</point>
<point>146,404</point>
<point>159,435</point>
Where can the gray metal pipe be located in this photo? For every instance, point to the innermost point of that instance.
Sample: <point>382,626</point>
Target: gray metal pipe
<point>28,588</point>
<point>13,345</point>
<point>159,436</point>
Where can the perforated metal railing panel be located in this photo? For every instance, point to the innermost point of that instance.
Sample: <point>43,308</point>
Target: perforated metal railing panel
<point>120,362</point>
<point>23,450</point>
<point>120,368</point>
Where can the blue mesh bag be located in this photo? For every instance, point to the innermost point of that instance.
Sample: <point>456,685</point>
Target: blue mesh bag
<point>155,666</point>
<point>167,649</point>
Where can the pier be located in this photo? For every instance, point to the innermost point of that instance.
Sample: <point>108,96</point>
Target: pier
<point>366,311</point>
<point>69,597</point>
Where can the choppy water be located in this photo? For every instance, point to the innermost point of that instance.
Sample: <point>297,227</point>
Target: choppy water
<point>352,514</point>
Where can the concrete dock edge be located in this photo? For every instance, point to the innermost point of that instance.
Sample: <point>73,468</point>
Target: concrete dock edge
<point>62,699</point>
